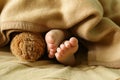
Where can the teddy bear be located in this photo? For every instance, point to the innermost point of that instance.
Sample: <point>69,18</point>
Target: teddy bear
<point>28,46</point>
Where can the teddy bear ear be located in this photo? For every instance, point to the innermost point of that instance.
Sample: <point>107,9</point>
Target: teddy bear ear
<point>28,46</point>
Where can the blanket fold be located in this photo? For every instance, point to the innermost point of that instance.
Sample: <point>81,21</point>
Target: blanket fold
<point>18,15</point>
<point>95,21</point>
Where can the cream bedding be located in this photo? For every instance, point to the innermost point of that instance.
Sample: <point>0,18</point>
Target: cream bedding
<point>96,22</point>
<point>99,27</point>
<point>12,69</point>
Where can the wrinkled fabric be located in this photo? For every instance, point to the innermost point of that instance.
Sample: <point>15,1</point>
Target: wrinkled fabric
<point>95,21</point>
<point>13,69</point>
<point>43,15</point>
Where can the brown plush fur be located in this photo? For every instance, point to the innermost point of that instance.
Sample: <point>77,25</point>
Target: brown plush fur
<point>28,46</point>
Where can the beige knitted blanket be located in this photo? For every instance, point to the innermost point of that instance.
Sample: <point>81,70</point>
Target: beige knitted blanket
<point>95,21</point>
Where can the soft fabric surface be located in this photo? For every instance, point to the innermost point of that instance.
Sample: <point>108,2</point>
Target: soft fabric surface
<point>96,22</point>
<point>13,69</point>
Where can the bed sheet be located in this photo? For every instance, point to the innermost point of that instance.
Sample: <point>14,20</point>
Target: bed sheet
<point>13,69</point>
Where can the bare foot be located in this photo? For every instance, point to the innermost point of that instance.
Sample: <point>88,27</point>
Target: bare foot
<point>65,53</point>
<point>53,39</point>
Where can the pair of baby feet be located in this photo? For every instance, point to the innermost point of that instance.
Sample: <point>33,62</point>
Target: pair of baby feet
<point>63,51</point>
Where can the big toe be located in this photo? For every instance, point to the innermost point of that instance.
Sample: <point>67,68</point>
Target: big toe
<point>74,41</point>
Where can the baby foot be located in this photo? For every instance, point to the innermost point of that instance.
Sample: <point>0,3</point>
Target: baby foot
<point>65,53</point>
<point>53,39</point>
